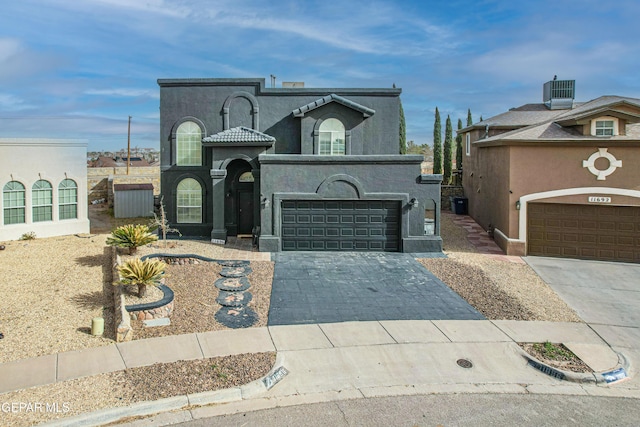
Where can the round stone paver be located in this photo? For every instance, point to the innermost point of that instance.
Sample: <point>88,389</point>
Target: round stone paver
<point>233,263</point>
<point>237,317</point>
<point>232,284</point>
<point>235,271</point>
<point>234,299</point>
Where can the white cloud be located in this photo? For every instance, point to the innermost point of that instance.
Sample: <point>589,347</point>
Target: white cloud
<point>10,102</point>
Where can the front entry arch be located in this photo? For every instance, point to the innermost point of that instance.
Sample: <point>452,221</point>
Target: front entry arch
<point>239,199</point>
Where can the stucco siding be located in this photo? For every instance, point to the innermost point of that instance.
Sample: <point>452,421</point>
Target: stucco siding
<point>28,160</point>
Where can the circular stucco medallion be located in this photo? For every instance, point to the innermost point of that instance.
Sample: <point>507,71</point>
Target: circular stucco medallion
<point>602,153</point>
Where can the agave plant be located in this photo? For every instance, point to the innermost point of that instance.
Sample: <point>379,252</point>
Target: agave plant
<point>142,273</point>
<point>131,236</point>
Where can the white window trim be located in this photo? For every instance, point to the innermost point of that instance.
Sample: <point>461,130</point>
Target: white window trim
<point>605,118</point>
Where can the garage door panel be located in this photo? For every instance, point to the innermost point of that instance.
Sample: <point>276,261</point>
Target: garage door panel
<point>553,237</point>
<point>584,231</point>
<point>345,225</point>
<point>625,241</point>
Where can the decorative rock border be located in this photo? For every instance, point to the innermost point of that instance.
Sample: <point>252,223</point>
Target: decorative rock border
<point>153,310</point>
<point>124,331</point>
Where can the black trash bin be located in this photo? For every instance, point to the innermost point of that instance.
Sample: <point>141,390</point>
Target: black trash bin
<point>461,205</point>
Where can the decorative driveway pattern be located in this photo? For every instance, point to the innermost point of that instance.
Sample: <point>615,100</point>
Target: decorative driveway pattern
<point>328,287</point>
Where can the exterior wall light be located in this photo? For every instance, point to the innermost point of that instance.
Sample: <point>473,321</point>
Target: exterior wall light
<point>413,203</point>
<point>518,205</point>
<point>265,202</point>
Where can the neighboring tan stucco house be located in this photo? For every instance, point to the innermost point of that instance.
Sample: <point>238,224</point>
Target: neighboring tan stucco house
<point>296,168</point>
<point>559,178</point>
<point>44,187</point>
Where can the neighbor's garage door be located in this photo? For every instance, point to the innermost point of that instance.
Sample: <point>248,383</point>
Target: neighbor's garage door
<point>340,225</point>
<point>608,233</point>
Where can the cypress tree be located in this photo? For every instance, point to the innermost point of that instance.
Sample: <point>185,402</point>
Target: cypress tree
<point>459,147</point>
<point>403,131</point>
<point>437,144</point>
<point>448,148</point>
<point>469,119</point>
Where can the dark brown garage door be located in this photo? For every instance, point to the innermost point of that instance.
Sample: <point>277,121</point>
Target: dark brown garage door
<point>340,225</point>
<point>608,233</point>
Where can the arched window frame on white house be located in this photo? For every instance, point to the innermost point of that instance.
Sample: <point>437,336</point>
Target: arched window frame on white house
<point>13,202</point>
<point>67,199</point>
<point>42,201</point>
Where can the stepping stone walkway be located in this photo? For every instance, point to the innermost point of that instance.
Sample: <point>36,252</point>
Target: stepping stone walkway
<point>233,296</point>
<point>235,271</point>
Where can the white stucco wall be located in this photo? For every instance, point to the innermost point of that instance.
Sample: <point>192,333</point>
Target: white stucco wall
<point>28,160</point>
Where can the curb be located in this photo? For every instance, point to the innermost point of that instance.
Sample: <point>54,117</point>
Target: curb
<point>112,415</point>
<point>595,377</point>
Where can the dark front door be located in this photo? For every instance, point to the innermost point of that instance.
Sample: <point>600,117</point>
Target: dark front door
<point>245,211</point>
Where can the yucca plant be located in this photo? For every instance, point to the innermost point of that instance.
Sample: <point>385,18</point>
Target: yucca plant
<point>142,273</point>
<point>131,236</point>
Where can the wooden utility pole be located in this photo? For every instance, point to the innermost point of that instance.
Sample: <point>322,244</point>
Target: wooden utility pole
<point>129,145</point>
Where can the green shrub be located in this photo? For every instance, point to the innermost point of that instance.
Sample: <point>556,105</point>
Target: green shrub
<point>142,273</point>
<point>28,236</point>
<point>131,236</point>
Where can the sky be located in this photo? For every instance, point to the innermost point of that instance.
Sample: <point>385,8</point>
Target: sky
<point>80,68</point>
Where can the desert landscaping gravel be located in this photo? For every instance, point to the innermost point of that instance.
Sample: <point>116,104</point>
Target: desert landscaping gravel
<point>499,289</point>
<point>52,288</point>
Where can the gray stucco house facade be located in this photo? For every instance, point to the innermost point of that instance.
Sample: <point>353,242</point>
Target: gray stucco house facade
<point>296,168</point>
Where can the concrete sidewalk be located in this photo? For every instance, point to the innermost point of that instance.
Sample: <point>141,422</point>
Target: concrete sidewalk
<point>336,356</point>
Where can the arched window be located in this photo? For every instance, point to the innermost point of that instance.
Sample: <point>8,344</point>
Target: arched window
<point>332,137</point>
<point>42,201</point>
<point>189,201</point>
<point>68,199</point>
<point>189,145</point>
<point>13,198</point>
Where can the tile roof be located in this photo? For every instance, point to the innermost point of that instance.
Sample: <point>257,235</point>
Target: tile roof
<point>366,111</point>
<point>240,134</point>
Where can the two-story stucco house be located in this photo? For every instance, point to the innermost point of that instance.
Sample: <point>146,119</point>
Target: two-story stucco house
<point>297,168</point>
<point>559,178</point>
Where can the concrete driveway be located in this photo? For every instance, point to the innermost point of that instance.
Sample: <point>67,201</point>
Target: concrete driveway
<point>606,295</point>
<point>328,287</point>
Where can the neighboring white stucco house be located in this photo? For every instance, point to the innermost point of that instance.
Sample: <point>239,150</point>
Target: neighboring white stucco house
<point>44,187</point>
